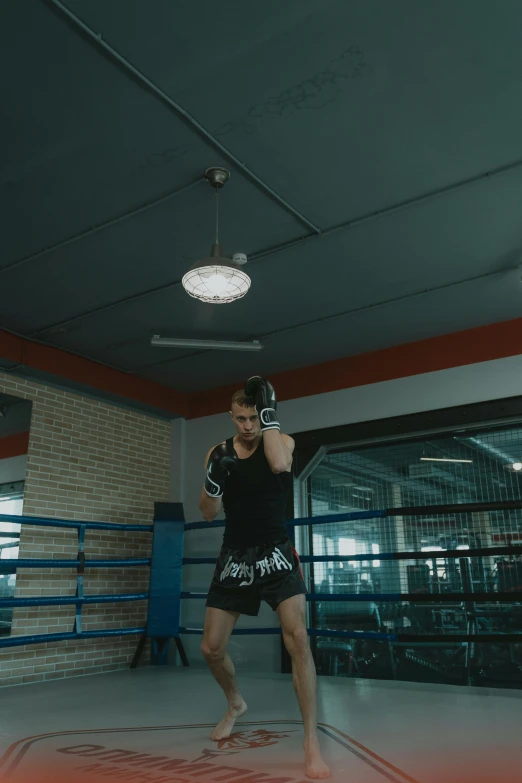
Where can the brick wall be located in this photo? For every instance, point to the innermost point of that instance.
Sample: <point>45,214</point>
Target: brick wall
<point>87,460</point>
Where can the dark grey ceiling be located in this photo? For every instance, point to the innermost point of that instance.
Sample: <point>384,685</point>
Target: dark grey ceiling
<point>383,139</point>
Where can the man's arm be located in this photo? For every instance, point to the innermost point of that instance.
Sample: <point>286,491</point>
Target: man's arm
<point>209,507</point>
<point>278,450</point>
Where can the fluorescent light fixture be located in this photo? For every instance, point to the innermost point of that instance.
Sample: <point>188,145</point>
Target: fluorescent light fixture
<point>220,345</point>
<point>517,466</point>
<point>440,459</point>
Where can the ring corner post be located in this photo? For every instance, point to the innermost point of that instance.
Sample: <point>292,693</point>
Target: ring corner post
<point>164,608</point>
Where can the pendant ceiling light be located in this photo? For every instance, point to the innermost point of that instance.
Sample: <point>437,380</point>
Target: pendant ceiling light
<point>217,279</point>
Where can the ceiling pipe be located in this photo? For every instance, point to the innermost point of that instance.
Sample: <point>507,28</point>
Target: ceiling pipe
<point>188,118</point>
<point>491,451</point>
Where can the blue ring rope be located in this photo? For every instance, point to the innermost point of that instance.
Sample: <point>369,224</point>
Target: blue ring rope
<point>447,554</point>
<point>459,508</point>
<point>58,600</point>
<point>20,641</point>
<point>41,563</point>
<point>51,522</point>
<point>437,598</point>
<point>402,639</point>
<point>409,511</point>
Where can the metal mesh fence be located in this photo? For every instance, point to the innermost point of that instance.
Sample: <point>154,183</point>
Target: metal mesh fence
<point>448,468</point>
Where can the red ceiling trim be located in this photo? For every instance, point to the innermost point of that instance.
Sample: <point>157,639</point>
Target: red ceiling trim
<point>471,346</point>
<point>481,344</point>
<point>66,365</point>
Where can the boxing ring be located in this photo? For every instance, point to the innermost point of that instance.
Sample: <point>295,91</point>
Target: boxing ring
<point>153,723</point>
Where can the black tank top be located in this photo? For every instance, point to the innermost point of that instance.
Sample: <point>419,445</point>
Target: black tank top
<point>255,501</point>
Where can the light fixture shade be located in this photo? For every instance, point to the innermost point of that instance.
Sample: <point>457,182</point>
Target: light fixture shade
<point>216,279</point>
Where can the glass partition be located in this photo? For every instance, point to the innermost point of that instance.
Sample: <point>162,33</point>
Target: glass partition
<point>472,466</point>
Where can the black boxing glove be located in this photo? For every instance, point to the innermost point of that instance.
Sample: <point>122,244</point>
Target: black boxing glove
<point>219,466</point>
<point>263,394</point>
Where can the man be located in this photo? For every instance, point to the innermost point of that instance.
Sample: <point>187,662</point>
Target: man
<point>251,475</point>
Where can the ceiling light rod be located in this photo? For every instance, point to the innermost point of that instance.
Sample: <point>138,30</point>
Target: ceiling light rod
<point>221,345</point>
<point>217,279</point>
<point>440,459</point>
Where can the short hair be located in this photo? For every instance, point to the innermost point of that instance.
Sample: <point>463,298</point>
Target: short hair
<point>240,398</point>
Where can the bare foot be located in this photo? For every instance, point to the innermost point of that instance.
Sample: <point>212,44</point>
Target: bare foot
<point>315,766</point>
<point>225,726</point>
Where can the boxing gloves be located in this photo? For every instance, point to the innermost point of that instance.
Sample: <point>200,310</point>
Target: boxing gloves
<point>219,466</point>
<point>262,392</point>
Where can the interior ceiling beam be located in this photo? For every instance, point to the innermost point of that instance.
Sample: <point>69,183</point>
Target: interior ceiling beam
<point>308,238</point>
<point>135,371</point>
<point>183,114</point>
<point>334,316</point>
<point>100,227</point>
<point>315,231</point>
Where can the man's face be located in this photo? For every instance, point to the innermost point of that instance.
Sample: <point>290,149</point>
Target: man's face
<point>246,421</point>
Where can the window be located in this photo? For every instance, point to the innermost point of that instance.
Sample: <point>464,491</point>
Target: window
<point>479,465</point>
<point>9,547</point>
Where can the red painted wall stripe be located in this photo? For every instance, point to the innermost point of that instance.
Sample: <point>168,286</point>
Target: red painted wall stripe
<point>66,365</point>
<point>481,344</point>
<point>471,346</point>
<point>14,445</point>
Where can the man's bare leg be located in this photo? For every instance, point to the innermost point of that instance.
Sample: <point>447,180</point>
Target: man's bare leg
<point>292,615</point>
<point>216,634</point>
